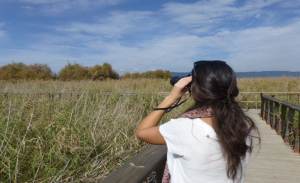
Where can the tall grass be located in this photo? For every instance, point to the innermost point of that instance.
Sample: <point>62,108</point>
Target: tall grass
<point>84,139</point>
<point>283,84</point>
<point>70,139</point>
<point>124,85</point>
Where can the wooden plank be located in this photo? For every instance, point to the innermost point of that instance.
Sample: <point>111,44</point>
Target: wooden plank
<point>138,168</point>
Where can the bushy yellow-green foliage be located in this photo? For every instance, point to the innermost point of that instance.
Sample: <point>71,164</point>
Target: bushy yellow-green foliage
<point>149,74</point>
<point>76,71</point>
<point>19,70</point>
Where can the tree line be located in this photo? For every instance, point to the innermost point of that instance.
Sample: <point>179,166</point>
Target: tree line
<point>71,71</point>
<point>149,74</point>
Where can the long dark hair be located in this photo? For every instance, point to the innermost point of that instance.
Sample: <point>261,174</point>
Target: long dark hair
<point>215,85</point>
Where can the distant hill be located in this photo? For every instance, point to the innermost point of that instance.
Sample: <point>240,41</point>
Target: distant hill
<point>262,74</point>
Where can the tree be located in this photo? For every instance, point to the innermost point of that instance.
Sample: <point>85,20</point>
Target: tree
<point>135,75</point>
<point>127,75</point>
<point>73,72</point>
<point>11,71</point>
<point>159,73</point>
<point>21,71</point>
<point>40,71</point>
<point>167,74</point>
<point>107,70</point>
<point>96,72</point>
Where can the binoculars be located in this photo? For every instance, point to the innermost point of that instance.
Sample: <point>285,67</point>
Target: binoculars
<point>175,79</point>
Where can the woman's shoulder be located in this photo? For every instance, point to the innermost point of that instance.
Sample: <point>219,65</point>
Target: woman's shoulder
<point>181,121</point>
<point>180,124</point>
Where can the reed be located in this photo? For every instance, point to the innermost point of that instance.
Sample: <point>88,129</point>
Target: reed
<point>45,139</point>
<point>70,139</point>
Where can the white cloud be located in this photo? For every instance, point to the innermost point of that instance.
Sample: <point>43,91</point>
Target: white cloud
<point>171,38</point>
<point>253,49</point>
<point>59,6</point>
<point>26,7</point>
<point>290,4</point>
<point>214,11</point>
<point>2,33</point>
<point>116,24</point>
<point>262,48</point>
<point>70,1</point>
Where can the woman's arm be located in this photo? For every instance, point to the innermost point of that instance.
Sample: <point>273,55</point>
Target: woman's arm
<point>148,131</point>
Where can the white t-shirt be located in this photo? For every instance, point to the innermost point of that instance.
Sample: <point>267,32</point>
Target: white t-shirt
<point>194,153</point>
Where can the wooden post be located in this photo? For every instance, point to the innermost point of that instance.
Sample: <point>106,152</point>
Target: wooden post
<point>271,113</point>
<point>289,122</point>
<point>297,138</point>
<point>255,100</point>
<point>266,110</point>
<point>281,128</point>
<point>262,105</point>
<point>240,97</point>
<point>59,95</point>
<point>270,106</point>
<point>6,95</point>
<point>71,95</point>
<point>275,117</point>
<point>287,97</point>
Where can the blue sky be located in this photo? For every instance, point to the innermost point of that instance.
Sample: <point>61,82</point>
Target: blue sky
<point>141,35</point>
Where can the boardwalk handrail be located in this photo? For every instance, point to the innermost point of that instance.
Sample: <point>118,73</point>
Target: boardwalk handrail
<point>137,169</point>
<point>287,128</point>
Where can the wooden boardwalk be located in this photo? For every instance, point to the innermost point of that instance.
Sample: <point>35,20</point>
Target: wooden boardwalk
<point>275,161</point>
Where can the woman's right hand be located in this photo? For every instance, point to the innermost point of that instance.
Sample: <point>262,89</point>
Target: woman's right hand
<point>179,89</point>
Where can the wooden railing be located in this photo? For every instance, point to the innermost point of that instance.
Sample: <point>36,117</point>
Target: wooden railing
<point>150,161</point>
<point>280,115</point>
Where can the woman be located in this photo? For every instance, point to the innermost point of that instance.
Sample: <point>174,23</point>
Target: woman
<point>211,141</point>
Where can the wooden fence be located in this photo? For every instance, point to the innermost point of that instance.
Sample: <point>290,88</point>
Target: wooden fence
<point>280,115</point>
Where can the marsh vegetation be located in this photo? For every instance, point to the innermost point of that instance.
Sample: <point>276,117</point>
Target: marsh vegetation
<point>84,138</point>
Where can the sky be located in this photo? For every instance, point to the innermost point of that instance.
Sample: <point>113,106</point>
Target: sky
<point>142,35</point>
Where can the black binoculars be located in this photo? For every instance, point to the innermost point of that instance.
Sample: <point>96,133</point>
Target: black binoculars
<point>175,79</point>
